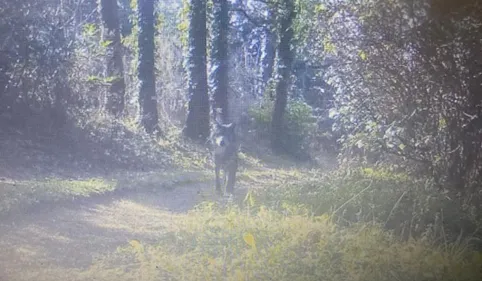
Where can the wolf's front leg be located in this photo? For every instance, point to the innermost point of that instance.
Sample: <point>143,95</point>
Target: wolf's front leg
<point>231,177</point>
<point>218,180</point>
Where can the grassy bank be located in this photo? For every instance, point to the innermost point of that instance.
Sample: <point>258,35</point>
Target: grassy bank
<point>23,194</point>
<point>305,227</point>
<point>409,207</point>
<point>212,243</point>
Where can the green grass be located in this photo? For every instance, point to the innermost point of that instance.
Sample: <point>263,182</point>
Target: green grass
<point>359,224</point>
<point>213,243</point>
<point>30,192</point>
<point>407,206</point>
<point>288,227</point>
<point>26,193</point>
<point>301,226</point>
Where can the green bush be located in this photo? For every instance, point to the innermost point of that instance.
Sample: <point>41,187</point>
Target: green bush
<point>299,124</point>
<point>412,208</point>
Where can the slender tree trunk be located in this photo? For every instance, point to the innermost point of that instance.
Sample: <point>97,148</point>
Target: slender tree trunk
<point>285,61</point>
<point>268,51</point>
<point>219,60</point>
<point>115,69</point>
<point>147,87</point>
<point>197,122</point>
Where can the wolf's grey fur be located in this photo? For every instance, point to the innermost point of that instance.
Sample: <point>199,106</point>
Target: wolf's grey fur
<point>225,155</point>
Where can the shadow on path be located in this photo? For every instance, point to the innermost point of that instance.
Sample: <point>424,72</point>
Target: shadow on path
<point>71,236</point>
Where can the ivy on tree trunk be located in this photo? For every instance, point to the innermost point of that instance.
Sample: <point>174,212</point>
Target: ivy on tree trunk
<point>147,83</point>
<point>197,122</point>
<point>218,79</point>
<point>114,72</point>
<point>285,61</point>
<point>269,50</point>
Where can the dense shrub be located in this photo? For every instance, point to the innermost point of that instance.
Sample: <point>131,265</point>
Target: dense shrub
<point>300,125</point>
<point>411,208</point>
<point>406,86</point>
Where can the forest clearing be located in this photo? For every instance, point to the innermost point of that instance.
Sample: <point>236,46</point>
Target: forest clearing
<point>241,140</point>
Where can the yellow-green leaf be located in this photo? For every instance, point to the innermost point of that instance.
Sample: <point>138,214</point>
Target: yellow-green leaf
<point>329,46</point>
<point>90,29</point>
<point>249,240</point>
<point>136,244</point>
<point>106,43</point>
<point>442,124</point>
<point>363,55</point>
<point>320,8</point>
<point>133,4</point>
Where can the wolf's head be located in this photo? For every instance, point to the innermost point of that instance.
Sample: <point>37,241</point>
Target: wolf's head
<point>224,135</point>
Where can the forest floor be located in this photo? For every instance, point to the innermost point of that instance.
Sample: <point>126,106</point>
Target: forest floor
<point>61,240</point>
<point>55,225</point>
<point>53,237</point>
<point>63,217</point>
<point>52,241</point>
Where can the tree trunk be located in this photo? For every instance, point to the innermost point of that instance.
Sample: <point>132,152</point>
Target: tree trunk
<point>197,122</point>
<point>147,83</point>
<point>285,60</point>
<point>114,70</point>
<point>219,60</point>
<point>268,52</point>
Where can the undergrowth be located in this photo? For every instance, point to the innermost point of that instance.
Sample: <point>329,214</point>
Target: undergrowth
<point>213,243</point>
<point>412,208</point>
<point>300,123</point>
<point>351,224</point>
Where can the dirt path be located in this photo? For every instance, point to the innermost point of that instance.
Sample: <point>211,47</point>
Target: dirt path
<point>72,236</point>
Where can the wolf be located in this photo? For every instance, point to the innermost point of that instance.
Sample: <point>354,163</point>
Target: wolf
<point>225,152</point>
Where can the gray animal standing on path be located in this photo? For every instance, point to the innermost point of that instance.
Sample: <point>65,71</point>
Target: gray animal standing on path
<point>225,156</point>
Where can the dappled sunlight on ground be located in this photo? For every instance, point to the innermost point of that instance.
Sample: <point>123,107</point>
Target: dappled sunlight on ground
<point>131,217</point>
<point>190,233</point>
<point>66,240</point>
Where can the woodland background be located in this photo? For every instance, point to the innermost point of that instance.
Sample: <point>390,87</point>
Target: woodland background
<point>388,91</point>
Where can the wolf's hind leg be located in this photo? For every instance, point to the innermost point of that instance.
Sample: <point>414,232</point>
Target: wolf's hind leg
<point>231,178</point>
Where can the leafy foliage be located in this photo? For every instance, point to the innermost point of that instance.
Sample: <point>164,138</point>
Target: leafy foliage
<point>403,79</point>
<point>298,126</point>
<point>34,61</point>
<point>411,208</point>
<point>397,82</point>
